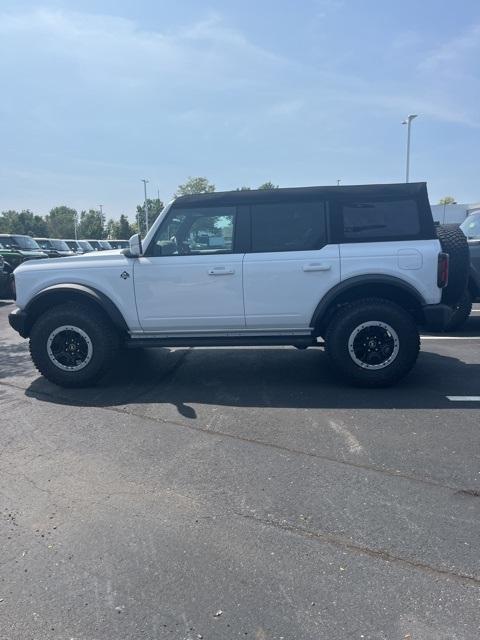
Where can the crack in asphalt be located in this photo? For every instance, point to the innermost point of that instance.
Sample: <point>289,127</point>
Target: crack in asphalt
<point>223,434</point>
<point>359,549</point>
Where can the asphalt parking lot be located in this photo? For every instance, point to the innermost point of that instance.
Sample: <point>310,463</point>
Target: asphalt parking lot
<point>241,493</point>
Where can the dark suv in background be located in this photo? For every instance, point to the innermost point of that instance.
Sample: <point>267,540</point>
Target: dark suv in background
<point>15,249</point>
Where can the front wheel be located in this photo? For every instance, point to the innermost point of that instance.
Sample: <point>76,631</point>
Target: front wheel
<point>372,342</point>
<point>73,345</point>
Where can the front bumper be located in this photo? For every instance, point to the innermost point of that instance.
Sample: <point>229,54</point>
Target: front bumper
<point>18,320</point>
<point>437,316</point>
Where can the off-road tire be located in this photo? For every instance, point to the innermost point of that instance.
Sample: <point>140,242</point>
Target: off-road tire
<point>454,243</point>
<point>103,336</point>
<point>349,318</point>
<point>461,312</point>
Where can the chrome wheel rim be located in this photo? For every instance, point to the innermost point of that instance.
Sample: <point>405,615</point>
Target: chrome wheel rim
<point>69,348</point>
<point>373,345</point>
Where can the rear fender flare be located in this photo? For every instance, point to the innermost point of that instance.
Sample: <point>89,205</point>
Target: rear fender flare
<point>356,282</point>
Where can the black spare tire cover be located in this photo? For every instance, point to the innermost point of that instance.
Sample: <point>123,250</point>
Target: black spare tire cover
<point>454,243</point>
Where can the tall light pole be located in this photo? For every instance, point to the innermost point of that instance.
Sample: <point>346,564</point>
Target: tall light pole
<point>408,122</point>
<point>145,181</point>
<point>100,206</point>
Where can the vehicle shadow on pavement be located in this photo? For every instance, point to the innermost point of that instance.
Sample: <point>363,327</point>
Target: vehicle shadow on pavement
<point>272,378</point>
<point>15,360</point>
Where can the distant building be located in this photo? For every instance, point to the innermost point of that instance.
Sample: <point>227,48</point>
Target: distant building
<point>453,213</point>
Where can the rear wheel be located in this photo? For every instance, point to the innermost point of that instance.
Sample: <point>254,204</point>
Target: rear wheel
<point>73,345</point>
<point>372,342</point>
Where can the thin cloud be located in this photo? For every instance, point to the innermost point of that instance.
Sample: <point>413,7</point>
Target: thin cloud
<point>463,50</point>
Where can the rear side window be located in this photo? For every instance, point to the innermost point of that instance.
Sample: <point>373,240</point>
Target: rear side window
<point>382,220</point>
<point>288,226</point>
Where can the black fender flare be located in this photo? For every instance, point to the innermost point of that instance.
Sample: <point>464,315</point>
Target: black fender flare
<point>357,281</point>
<point>69,291</point>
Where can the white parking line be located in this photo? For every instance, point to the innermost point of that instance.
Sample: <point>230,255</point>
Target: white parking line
<point>464,398</point>
<point>450,337</point>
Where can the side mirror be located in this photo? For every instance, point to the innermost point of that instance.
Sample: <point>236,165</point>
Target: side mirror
<point>135,247</point>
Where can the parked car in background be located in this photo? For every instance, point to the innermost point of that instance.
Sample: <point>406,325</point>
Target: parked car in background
<point>54,248</point>
<point>5,280</point>
<point>79,246</point>
<point>118,244</point>
<point>83,246</point>
<point>16,249</point>
<point>99,245</point>
<point>11,256</point>
<point>471,228</point>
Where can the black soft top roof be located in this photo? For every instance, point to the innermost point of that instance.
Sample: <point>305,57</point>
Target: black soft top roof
<point>364,191</point>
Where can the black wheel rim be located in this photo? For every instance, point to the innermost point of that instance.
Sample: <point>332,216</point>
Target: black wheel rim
<point>69,348</point>
<point>373,345</point>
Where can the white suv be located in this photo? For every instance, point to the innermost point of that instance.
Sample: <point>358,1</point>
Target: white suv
<point>354,269</point>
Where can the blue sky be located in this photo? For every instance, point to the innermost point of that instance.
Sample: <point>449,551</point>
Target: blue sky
<point>96,95</point>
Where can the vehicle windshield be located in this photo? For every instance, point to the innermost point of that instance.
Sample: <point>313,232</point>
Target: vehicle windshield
<point>25,242</point>
<point>104,244</point>
<point>43,244</point>
<point>60,245</point>
<point>471,226</point>
<point>86,246</point>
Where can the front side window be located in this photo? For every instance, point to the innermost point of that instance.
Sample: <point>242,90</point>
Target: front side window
<point>288,226</point>
<point>25,242</point>
<point>391,219</point>
<point>471,226</point>
<point>197,231</point>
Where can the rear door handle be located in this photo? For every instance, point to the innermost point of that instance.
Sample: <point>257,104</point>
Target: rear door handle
<point>317,266</point>
<point>221,271</point>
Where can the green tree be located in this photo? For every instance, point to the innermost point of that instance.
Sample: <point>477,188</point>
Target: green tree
<point>193,186</point>
<point>61,222</point>
<point>447,200</point>
<point>243,189</point>
<point>92,225</point>
<point>25,223</point>
<point>119,229</point>
<point>155,208</point>
<point>268,185</point>
<point>9,221</point>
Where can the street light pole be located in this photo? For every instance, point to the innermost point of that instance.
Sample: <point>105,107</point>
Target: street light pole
<point>408,122</point>
<point>146,203</point>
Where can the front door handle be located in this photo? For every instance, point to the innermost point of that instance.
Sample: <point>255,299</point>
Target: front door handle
<point>317,266</point>
<point>221,271</point>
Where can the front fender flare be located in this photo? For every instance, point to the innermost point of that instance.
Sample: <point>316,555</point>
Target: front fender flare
<point>68,291</point>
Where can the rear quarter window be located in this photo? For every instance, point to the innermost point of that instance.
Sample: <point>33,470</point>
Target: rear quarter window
<point>363,221</point>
